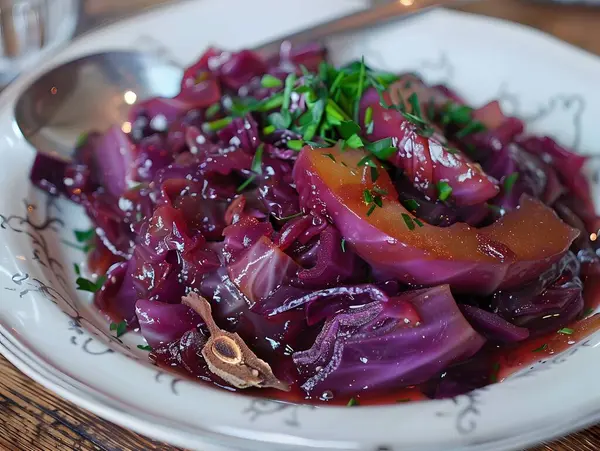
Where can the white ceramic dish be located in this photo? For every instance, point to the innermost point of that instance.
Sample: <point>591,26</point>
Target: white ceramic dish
<point>57,338</point>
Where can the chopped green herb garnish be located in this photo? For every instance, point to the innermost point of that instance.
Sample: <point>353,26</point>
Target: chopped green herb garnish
<point>329,155</point>
<point>84,284</point>
<point>510,181</point>
<point>359,89</point>
<point>368,116</point>
<point>415,105</point>
<point>494,375</point>
<point>348,129</point>
<point>343,244</point>
<point>353,402</point>
<point>444,190</point>
<point>381,191</point>
<point>119,328</point>
<point>454,113</point>
<point>404,400</point>
<point>541,348</point>
<point>366,161</point>
<point>217,125</point>
<point>83,236</point>
<point>408,220</point>
<point>374,174</point>
<point>418,222</point>
<point>383,149</point>
<point>212,110</point>
<point>287,218</point>
<point>566,331</point>
<point>145,347</point>
<point>82,139</point>
<point>371,209</point>
<point>246,183</point>
<point>77,269</point>
<point>354,142</point>
<point>269,81</point>
<point>295,144</point>
<point>411,204</point>
<point>367,196</point>
<point>472,127</point>
<point>588,312</point>
<point>269,129</point>
<point>290,81</point>
<point>378,200</point>
<point>280,120</point>
<point>256,166</point>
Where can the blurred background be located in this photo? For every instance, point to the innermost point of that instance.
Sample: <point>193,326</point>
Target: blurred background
<point>29,29</point>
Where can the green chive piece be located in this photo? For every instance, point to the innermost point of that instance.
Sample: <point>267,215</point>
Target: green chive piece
<point>343,244</point>
<point>408,220</point>
<point>290,81</point>
<point>366,161</point>
<point>374,174</point>
<point>83,236</point>
<point>381,191</point>
<point>411,204</point>
<point>269,129</point>
<point>280,120</point>
<point>256,165</point>
<point>510,181</point>
<point>77,269</point>
<point>348,129</point>
<point>269,81</point>
<point>444,190</point>
<point>494,375</point>
<point>588,312</point>
<point>368,116</point>
<point>367,196</point>
<point>119,328</point>
<point>371,209</point>
<point>212,110</point>
<point>378,201</point>
<point>566,331</point>
<point>246,183</point>
<point>295,144</point>
<point>217,125</point>
<point>354,142</point>
<point>383,149</point>
<point>473,127</point>
<point>418,222</point>
<point>541,348</point>
<point>82,139</point>
<point>359,90</point>
<point>269,104</point>
<point>415,105</point>
<point>145,347</point>
<point>328,155</point>
<point>84,284</point>
<point>353,402</point>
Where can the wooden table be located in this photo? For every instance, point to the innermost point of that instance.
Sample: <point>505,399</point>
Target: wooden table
<point>32,418</point>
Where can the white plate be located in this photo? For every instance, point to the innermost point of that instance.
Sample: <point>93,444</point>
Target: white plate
<point>551,84</point>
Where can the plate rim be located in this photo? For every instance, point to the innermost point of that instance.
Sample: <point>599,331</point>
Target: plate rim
<point>106,411</point>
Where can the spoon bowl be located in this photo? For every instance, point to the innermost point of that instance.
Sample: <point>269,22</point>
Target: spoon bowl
<point>91,93</point>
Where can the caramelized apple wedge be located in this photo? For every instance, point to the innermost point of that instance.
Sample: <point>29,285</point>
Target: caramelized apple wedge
<point>506,254</point>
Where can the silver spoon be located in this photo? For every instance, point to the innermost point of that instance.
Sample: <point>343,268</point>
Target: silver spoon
<point>96,91</point>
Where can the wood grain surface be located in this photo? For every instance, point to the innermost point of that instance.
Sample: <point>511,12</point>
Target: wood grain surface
<point>32,418</point>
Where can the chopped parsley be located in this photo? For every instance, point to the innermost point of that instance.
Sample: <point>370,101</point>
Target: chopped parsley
<point>269,81</point>
<point>353,402</point>
<point>444,190</point>
<point>566,331</point>
<point>510,181</point>
<point>84,284</point>
<point>212,110</point>
<point>408,220</point>
<point>295,144</point>
<point>411,204</point>
<point>119,328</point>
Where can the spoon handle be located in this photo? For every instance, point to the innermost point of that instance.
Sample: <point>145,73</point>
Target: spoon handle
<point>372,17</point>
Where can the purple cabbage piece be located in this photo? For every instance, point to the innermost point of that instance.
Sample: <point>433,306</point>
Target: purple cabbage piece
<point>373,347</point>
<point>162,323</point>
<point>493,326</point>
<point>549,303</point>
